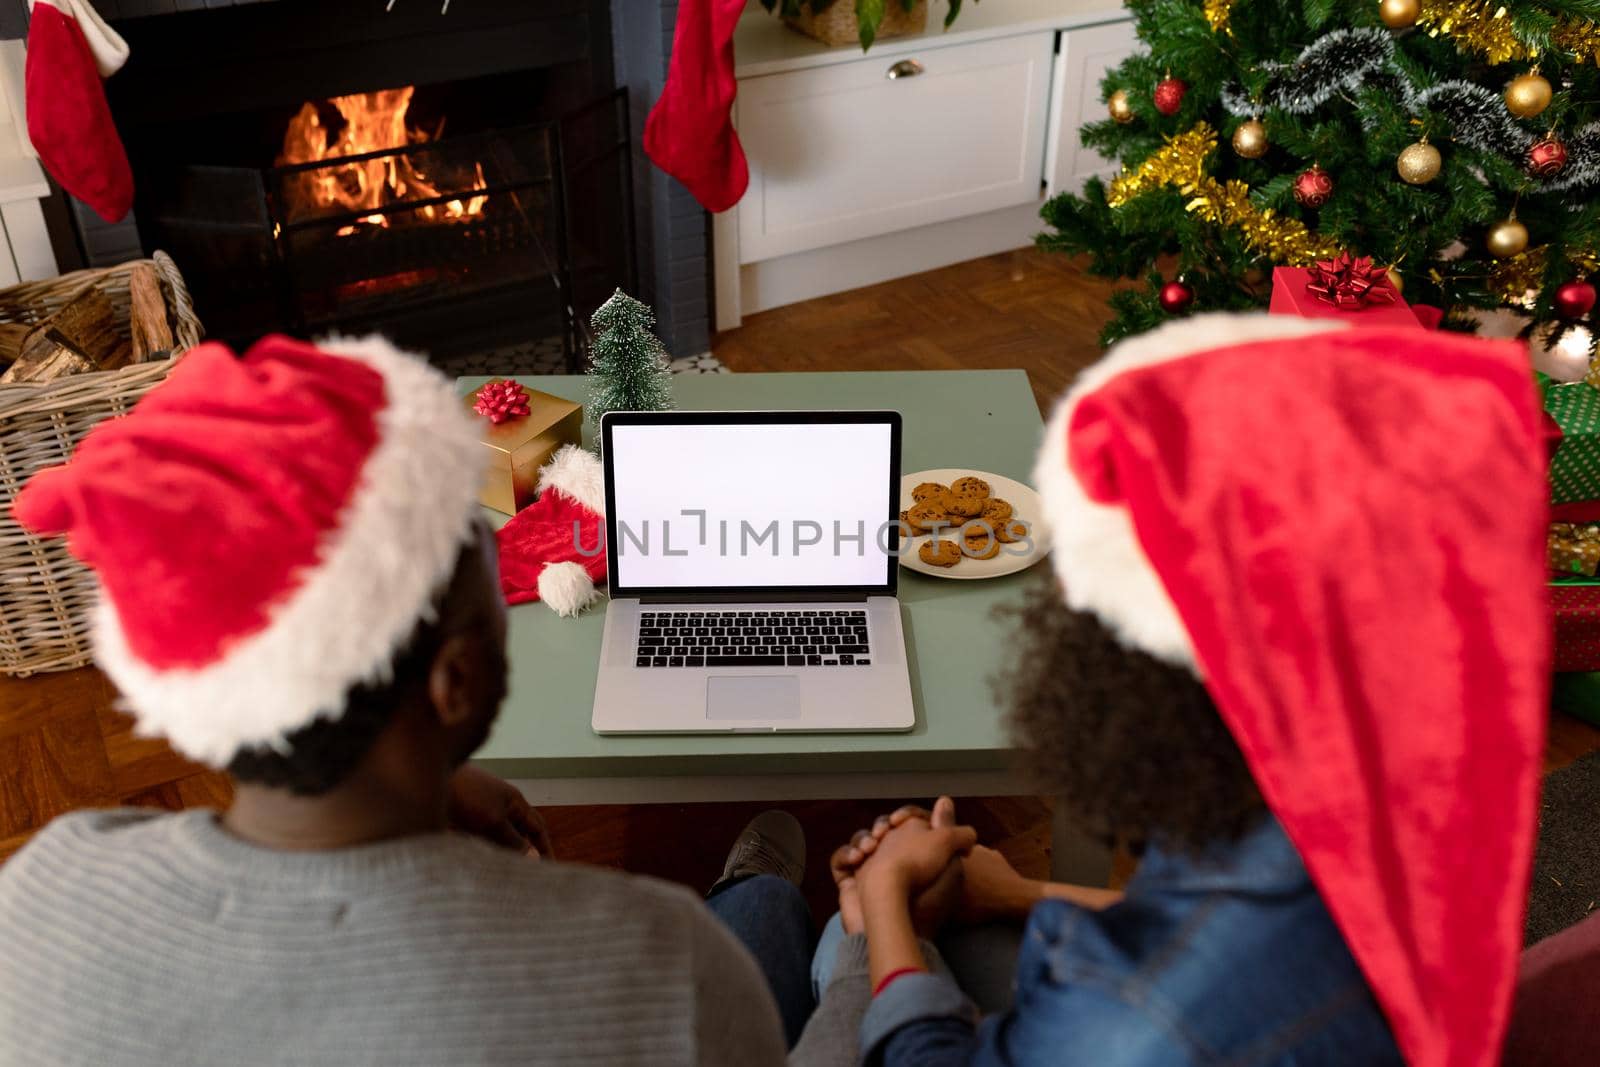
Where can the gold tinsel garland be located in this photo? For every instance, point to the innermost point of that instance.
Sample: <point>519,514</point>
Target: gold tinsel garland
<point>1181,162</point>
<point>1475,25</point>
<point>1511,279</point>
<point>1486,28</point>
<point>1217,14</point>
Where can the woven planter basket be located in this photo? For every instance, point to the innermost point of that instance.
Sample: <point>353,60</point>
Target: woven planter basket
<point>837,23</point>
<point>45,594</point>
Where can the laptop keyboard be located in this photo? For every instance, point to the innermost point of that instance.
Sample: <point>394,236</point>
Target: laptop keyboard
<point>754,639</point>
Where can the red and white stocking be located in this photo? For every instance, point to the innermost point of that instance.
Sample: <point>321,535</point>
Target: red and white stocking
<point>70,51</point>
<point>689,133</point>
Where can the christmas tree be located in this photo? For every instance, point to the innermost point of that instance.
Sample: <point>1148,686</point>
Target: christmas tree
<point>627,365</point>
<point>1453,141</point>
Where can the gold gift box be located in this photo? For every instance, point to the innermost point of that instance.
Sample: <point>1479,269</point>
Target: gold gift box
<point>520,446</point>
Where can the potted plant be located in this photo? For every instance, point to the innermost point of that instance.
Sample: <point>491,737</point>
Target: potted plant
<point>842,21</point>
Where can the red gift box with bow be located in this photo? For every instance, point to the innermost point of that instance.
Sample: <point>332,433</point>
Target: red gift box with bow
<point>1345,287</point>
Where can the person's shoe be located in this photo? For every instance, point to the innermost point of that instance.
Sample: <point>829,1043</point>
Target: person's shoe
<point>773,843</point>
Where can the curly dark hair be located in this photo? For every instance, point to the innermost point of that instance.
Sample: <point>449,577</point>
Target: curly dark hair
<point>1132,746</point>
<point>319,756</point>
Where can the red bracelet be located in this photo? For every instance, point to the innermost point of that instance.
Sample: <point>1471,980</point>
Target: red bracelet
<point>892,975</point>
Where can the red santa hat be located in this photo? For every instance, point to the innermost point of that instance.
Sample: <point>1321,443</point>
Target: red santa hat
<point>554,549</point>
<point>1341,532</point>
<point>267,532</point>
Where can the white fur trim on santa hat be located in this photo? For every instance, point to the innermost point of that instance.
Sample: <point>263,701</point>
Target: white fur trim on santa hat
<point>110,51</point>
<point>567,588</point>
<point>576,472</point>
<point>379,573</point>
<point>1096,553</point>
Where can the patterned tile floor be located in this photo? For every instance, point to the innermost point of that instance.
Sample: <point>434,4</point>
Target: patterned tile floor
<point>544,357</point>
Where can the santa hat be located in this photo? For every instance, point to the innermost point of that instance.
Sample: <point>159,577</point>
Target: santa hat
<point>70,50</point>
<point>267,532</point>
<point>1341,531</point>
<point>554,549</point>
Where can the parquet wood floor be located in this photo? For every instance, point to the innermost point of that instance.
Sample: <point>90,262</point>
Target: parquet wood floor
<point>1028,309</point>
<point>63,747</point>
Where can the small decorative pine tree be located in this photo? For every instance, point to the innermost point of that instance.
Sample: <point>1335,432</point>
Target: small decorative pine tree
<point>1455,139</point>
<point>628,365</point>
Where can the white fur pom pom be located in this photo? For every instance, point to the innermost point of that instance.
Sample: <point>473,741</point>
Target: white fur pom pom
<point>567,588</point>
<point>577,473</point>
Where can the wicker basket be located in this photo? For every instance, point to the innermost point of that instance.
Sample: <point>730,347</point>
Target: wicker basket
<point>45,594</point>
<point>837,25</point>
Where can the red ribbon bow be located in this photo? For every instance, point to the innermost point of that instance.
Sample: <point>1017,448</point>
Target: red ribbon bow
<point>1348,283</point>
<point>500,401</point>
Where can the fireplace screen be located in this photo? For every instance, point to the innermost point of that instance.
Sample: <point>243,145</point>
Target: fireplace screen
<point>368,219</point>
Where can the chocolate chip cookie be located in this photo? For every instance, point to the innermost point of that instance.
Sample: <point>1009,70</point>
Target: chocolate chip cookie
<point>940,553</point>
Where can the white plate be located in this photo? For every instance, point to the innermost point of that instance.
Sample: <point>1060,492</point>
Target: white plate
<point>1025,504</point>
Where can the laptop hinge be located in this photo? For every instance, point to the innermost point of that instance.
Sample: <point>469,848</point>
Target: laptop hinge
<point>749,597</point>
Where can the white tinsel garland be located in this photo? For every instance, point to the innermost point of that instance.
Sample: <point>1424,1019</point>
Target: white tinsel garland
<point>1346,60</point>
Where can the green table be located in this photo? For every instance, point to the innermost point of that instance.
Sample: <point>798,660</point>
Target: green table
<point>986,420</point>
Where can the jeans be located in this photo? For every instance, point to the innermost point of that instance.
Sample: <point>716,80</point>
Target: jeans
<point>769,915</point>
<point>982,960</point>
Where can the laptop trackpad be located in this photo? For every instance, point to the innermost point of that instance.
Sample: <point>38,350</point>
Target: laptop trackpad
<point>753,697</point>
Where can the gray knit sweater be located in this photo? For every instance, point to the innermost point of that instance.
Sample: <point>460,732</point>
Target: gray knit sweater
<point>128,937</point>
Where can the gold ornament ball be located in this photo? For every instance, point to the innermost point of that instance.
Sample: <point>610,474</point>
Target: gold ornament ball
<point>1396,280</point>
<point>1250,139</point>
<point>1119,107</point>
<point>1399,14</point>
<point>1506,238</point>
<point>1528,95</point>
<point>1419,163</point>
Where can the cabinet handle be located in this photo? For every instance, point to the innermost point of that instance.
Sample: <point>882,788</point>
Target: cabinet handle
<point>906,68</point>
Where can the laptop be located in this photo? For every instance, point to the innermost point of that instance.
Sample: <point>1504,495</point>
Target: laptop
<point>752,566</point>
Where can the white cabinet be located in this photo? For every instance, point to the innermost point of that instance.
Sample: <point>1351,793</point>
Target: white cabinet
<point>857,177</point>
<point>1084,58</point>
<point>844,152</point>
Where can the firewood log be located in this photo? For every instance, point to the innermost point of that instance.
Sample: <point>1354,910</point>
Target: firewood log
<point>11,338</point>
<point>148,314</point>
<point>77,338</point>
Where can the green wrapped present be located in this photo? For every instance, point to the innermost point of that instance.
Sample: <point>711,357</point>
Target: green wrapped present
<point>1575,467</point>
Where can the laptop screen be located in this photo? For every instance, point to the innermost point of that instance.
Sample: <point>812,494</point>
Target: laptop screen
<point>727,502</point>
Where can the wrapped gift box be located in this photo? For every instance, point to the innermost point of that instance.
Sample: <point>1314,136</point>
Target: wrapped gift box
<point>1576,606</point>
<point>1574,548</point>
<point>1291,297</point>
<point>521,445</point>
<point>1575,466</point>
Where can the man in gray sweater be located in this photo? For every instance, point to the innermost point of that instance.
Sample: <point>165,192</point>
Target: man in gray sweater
<point>296,587</point>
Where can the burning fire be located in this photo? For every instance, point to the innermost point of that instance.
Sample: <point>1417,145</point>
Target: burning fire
<point>372,122</point>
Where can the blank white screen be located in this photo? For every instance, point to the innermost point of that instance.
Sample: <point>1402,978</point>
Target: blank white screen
<point>746,478</point>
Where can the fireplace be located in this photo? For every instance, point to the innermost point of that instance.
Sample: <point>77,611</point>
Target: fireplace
<point>459,180</point>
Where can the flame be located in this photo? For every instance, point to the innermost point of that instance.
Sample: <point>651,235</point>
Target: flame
<point>372,122</point>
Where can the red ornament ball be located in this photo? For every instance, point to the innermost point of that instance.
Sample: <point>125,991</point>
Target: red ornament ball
<point>1547,158</point>
<point>1574,300</point>
<point>1313,187</point>
<point>1175,297</point>
<point>1169,95</point>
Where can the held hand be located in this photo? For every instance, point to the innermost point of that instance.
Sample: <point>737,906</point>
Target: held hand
<point>993,889</point>
<point>933,906</point>
<point>842,864</point>
<point>495,810</point>
<point>912,857</point>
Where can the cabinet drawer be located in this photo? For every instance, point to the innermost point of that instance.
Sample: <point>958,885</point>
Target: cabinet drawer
<point>843,152</point>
